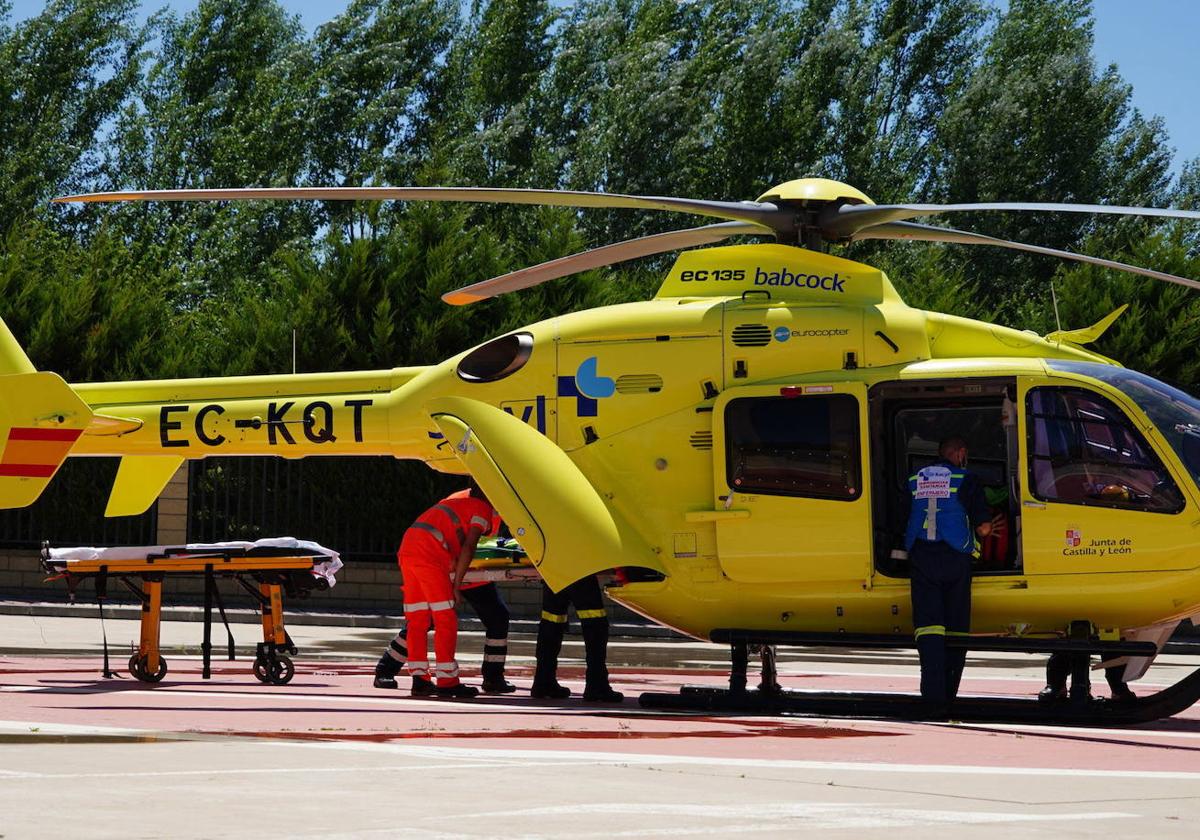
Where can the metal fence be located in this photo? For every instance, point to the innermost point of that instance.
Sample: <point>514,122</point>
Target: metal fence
<point>357,506</point>
<point>71,512</point>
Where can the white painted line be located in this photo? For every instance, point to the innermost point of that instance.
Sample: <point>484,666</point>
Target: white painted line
<point>7,775</point>
<point>549,757</point>
<point>552,758</point>
<point>755,817</point>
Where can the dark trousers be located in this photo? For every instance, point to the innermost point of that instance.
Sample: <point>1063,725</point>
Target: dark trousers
<point>487,603</point>
<point>941,607</point>
<point>1058,668</point>
<point>585,596</point>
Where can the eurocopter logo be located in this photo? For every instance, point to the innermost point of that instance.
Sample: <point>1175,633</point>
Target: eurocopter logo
<point>783,277</point>
<point>587,386</point>
<point>783,333</point>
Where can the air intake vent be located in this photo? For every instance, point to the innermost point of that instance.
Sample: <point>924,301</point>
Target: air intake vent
<point>639,383</point>
<point>751,335</point>
<point>701,440</point>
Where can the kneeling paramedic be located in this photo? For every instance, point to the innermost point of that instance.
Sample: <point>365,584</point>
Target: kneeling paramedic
<point>489,606</point>
<point>441,543</point>
<point>585,596</point>
<point>948,509</point>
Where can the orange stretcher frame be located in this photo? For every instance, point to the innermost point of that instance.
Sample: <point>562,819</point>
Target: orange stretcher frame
<point>264,575</point>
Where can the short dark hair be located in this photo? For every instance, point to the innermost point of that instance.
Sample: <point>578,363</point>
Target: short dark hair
<point>951,444</point>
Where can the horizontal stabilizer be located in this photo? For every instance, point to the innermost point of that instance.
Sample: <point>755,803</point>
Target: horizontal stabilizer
<point>40,420</point>
<point>550,506</point>
<point>103,425</point>
<point>140,480</point>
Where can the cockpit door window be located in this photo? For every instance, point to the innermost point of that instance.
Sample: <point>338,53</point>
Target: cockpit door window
<point>1083,450</point>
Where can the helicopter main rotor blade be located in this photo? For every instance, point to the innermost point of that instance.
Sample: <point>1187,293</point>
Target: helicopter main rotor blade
<point>849,220</point>
<point>644,246</point>
<point>928,233</point>
<point>762,213</point>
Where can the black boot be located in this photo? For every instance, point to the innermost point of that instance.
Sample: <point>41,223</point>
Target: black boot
<point>545,674</point>
<point>1117,685</point>
<point>595,646</point>
<point>1058,668</point>
<point>391,662</point>
<point>422,687</point>
<point>501,686</point>
<point>602,694</point>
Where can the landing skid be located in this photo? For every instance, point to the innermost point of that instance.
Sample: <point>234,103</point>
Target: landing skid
<point>1161,704</point>
<point>1079,710</point>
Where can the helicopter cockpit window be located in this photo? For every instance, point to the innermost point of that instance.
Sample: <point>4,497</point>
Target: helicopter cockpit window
<point>497,359</point>
<point>1174,413</point>
<point>804,446</point>
<point>1084,450</point>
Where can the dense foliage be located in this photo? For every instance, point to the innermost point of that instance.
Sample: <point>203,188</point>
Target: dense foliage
<point>942,100</point>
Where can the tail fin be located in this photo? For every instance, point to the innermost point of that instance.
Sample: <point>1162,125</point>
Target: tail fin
<point>40,420</point>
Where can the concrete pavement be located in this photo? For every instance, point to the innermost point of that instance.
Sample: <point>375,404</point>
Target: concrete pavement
<point>328,755</point>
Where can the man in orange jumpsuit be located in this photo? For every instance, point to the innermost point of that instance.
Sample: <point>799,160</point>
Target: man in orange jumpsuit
<point>439,545</point>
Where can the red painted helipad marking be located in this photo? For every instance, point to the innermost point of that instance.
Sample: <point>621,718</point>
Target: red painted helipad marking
<point>335,703</point>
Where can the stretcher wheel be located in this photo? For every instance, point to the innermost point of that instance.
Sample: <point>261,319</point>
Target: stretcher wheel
<point>261,671</point>
<point>137,667</point>
<point>282,670</point>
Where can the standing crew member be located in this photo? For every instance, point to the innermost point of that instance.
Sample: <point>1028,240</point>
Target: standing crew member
<point>947,510</point>
<point>585,596</point>
<point>489,607</point>
<point>439,544</point>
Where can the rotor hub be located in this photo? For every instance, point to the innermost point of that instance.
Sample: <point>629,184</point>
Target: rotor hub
<point>814,190</point>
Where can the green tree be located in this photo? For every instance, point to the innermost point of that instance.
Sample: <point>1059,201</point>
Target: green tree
<point>64,74</point>
<point>221,106</point>
<point>377,70</point>
<point>1038,121</point>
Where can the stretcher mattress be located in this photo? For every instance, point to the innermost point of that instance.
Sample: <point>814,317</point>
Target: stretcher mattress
<point>326,562</point>
<point>498,559</point>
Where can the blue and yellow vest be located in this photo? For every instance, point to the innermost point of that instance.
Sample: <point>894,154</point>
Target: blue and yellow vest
<point>935,491</point>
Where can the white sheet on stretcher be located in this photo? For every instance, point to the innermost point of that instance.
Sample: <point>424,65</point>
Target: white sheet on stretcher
<point>327,568</point>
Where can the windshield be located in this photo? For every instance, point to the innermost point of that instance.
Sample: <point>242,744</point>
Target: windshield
<point>1174,413</point>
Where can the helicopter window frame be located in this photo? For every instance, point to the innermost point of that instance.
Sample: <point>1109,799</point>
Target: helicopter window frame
<point>839,423</point>
<point>1165,497</point>
<point>496,359</point>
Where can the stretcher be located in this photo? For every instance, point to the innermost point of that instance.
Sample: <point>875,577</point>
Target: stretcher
<point>499,559</point>
<point>265,569</point>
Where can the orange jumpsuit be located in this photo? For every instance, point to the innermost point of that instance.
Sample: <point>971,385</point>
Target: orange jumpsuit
<point>427,554</point>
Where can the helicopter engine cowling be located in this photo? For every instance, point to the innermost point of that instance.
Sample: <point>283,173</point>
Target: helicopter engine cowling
<point>550,506</point>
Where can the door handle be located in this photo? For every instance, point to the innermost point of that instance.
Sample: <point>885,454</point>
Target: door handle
<point>1034,505</point>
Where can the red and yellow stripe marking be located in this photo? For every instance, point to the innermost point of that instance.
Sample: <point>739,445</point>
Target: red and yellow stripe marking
<point>36,453</point>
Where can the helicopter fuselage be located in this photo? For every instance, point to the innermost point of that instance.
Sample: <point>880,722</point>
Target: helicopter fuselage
<point>739,446</point>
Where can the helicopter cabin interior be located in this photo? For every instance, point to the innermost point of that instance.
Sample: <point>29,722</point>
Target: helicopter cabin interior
<point>908,421</point>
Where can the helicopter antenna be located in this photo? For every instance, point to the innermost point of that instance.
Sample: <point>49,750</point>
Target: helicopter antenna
<point>1054,299</point>
<point>293,350</point>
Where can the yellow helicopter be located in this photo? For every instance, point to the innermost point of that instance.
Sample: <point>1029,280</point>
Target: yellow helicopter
<point>738,447</point>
